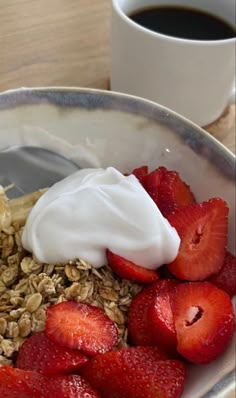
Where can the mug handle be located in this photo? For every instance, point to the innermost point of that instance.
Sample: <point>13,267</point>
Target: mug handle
<point>232,98</point>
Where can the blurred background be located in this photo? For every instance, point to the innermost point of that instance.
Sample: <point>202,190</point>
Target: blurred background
<point>54,42</point>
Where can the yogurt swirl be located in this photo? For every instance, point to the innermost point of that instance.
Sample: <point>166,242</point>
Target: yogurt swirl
<point>97,209</point>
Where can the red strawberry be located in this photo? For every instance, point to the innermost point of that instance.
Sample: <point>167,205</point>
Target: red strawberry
<point>140,173</point>
<point>225,279</point>
<point>135,372</point>
<point>203,232</point>
<point>173,193</point>
<point>128,270</point>
<point>150,320</point>
<point>17,383</point>
<point>161,317</point>
<point>139,331</point>
<point>204,321</point>
<point>81,326</point>
<point>41,354</point>
<point>153,181</point>
<point>70,386</point>
<point>167,190</point>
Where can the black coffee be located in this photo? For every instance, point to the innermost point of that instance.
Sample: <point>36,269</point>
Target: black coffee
<point>187,23</point>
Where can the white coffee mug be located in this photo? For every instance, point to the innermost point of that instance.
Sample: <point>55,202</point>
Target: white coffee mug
<point>192,77</point>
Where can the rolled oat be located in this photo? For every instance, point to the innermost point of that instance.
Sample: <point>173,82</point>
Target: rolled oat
<point>33,302</point>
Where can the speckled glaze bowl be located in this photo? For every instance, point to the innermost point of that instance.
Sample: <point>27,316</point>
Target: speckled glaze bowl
<point>98,128</point>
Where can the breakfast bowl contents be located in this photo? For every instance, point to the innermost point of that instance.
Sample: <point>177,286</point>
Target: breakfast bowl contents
<point>53,330</point>
<point>112,281</point>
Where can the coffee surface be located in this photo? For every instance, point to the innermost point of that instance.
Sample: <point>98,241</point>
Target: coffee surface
<point>187,23</point>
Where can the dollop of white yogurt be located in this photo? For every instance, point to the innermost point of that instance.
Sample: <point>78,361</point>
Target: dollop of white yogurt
<point>97,209</point>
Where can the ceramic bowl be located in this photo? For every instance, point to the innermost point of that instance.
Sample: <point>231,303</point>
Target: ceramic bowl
<point>98,128</point>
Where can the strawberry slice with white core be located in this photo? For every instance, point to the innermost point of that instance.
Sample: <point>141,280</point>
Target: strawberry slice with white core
<point>203,232</point>
<point>204,321</point>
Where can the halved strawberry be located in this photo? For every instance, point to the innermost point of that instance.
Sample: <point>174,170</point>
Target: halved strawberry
<point>150,319</point>
<point>139,332</point>
<point>173,193</point>
<point>203,232</point>
<point>160,316</point>
<point>153,181</point>
<point>70,386</point>
<point>81,326</point>
<point>135,372</point>
<point>204,321</point>
<point>18,383</point>
<point>225,279</point>
<point>168,190</point>
<point>41,354</point>
<point>140,173</point>
<point>128,270</point>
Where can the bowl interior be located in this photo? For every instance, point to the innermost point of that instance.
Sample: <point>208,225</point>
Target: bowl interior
<point>95,128</point>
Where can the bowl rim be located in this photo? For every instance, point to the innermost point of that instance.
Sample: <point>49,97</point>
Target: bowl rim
<point>116,95</point>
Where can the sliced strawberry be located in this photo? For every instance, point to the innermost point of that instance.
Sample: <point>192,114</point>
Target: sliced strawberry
<point>225,279</point>
<point>135,372</point>
<point>140,173</point>
<point>18,383</point>
<point>168,190</point>
<point>81,326</point>
<point>204,321</point>
<point>70,386</point>
<point>161,317</point>
<point>41,354</point>
<point>203,232</point>
<point>139,332</point>
<point>150,320</point>
<point>128,270</point>
<point>173,193</point>
<point>153,181</point>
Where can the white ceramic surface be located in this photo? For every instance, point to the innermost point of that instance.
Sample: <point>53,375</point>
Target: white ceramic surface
<point>194,78</point>
<point>97,128</point>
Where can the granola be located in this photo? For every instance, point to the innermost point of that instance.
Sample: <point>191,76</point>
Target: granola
<point>27,288</point>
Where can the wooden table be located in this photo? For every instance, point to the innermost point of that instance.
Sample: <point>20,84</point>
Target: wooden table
<point>65,43</point>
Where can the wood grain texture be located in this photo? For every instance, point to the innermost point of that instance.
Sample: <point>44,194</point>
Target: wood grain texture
<point>66,43</point>
<point>54,42</point>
